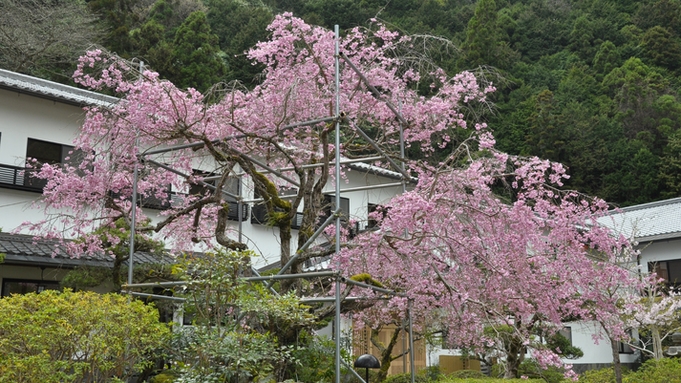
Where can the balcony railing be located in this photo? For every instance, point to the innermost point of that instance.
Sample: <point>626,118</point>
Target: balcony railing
<point>16,177</point>
<point>259,217</point>
<point>173,198</point>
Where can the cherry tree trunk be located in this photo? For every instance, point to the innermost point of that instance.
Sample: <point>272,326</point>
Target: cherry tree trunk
<point>617,364</point>
<point>657,342</point>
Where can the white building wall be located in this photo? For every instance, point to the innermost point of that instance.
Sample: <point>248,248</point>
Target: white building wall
<point>591,339</point>
<point>22,117</point>
<point>663,250</point>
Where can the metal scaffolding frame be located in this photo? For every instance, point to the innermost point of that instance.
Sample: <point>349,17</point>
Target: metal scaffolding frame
<point>336,119</point>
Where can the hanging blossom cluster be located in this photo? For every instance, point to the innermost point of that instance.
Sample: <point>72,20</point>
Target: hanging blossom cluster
<point>298,85</point>
<point>495,245</point>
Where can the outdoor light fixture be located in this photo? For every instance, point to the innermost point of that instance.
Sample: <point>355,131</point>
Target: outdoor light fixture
<point>675,350</point>
<point>367,361</point>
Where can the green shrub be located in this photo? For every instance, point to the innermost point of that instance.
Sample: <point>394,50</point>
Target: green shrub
<point>530,368</point>
<point>605,375</point>
<point>316,359</point>
<point>56,337</point>
<point>488,380</point>
<point>666,370</point>
<point>406,378</point>
<point>467,374</point>
<point>163,378</point>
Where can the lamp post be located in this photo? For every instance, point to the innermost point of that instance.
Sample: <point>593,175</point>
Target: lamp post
<point>367,361</point>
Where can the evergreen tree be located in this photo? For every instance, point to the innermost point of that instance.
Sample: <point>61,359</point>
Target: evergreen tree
<point>607,58</point>
<point>196,55</point>
<point>484,44</point>
<point>239,27</point>
<point>662,48</point>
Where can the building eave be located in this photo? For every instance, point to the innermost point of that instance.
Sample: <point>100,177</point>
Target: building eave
<point>54,91</point>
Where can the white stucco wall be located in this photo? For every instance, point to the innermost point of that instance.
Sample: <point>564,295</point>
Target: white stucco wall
<point>22,117</point>
<point>662,250</point>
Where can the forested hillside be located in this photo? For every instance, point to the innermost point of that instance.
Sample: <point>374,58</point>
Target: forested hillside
<point>593,84</point>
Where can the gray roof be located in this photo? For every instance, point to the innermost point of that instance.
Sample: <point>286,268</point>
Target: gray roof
<point>53,90</point>
<point>22,249</point>
<point>376,170</point>
<point>647,222</point>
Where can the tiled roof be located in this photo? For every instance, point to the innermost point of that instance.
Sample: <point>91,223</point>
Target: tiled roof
<point>52,90</point>
<point>28,250</point>
<point>647,222</point>
<point>377,170</point>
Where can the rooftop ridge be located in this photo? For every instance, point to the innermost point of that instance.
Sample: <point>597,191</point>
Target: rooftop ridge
<point>53,90</point>
<point>648,205</point>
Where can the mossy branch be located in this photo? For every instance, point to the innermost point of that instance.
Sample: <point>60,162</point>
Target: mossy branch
<point>366,278</point>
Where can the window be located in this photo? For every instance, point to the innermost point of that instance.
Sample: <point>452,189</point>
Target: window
<point>330,207</point>
<point>625,348</point>
<point>259,210</point>
<point>45,152</point>
<point>232,186</point>
<point>25,286</point>
<point>670,270</point>
<point>372,223</point>
<point>566,332</point>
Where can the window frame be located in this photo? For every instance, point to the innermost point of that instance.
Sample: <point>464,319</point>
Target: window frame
<point>68,155</point>
<point>41,285</point>
<point>667,269</point>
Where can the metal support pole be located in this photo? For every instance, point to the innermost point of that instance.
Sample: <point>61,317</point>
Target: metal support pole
<point>392,162</point>
<point>155,296</point>
<point>411,340</point>
<point>133,219</point>
<point>271,170</point>
<point>375,288</point>
<point>195,145</point>
<point>373,89</point>
<point>187,176</point>
<point>337,320</point>
<point>320,164</point>
<point>307,244</point>
<point>367,187</point>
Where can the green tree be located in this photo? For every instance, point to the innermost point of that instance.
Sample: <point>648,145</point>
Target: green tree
<point>542,28</point>
<point>118,19</point>
<point>242,331</point>
<point>545,136</point>
<point>663,13</point>
<point>634,87</point>
<point>246,26</point>
<point>196,56</point>
<point>44,38</point>
<point>582,37</point>
<point>484,44</point>
<point>670,166</point>
<point>117,242</point>
<point>662,48</point>
<point>606,59</point>
<point>55,337</point>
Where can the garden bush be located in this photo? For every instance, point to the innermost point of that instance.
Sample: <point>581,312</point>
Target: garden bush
<point>467,374</point>
<point>666,370</point>
<point>530,368</point>
<point>69,337</point>
<point>487,380</point>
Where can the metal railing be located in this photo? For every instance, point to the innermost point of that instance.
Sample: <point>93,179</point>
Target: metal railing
<point>17,177</point>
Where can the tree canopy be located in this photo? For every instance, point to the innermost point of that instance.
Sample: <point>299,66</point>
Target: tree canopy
<point>484,240</point>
